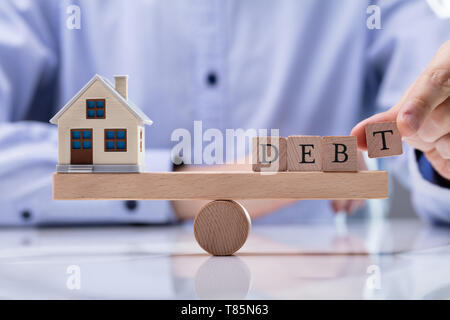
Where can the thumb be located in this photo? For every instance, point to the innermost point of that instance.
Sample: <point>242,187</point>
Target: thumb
<point>360,129</point>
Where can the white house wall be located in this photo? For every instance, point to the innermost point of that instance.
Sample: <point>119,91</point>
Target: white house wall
<point>117,117</point>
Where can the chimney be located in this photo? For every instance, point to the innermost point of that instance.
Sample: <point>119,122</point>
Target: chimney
<point>121,85</point>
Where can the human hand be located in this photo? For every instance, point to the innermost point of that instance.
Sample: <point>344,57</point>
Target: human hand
<point>423,114</point>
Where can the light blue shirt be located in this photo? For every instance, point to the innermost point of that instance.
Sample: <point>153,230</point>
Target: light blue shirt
<point>307,67</point>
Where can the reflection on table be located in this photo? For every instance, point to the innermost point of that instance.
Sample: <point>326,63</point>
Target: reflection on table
<point>399,259</point>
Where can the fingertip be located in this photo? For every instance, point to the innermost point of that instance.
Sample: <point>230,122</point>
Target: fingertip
<point>359,132</point>
<point>338,205</point>
<point>349,207</point>
<point>334,206</point>
<point>360,129</point>
<point>362,142</point>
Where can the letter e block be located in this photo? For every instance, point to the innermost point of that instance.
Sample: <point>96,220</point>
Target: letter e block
<point>304,153</point>
<point>383,139</point>
<point>339,153</point>
<point>269,154</point>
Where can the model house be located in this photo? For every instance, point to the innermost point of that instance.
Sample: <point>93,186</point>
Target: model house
<point>100,130</point>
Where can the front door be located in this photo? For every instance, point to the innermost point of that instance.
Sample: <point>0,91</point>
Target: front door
<point>81,146</point>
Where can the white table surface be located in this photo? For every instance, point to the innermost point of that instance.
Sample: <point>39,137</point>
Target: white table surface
<point>394,259</point>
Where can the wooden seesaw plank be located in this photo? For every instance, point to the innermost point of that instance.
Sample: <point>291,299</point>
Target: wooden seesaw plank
<point>220,185</point>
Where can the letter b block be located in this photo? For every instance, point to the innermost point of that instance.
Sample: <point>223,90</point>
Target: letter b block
<point>269,154</point>
<point>383,139</point>
<point>339,153</point>
<point>304,153</point>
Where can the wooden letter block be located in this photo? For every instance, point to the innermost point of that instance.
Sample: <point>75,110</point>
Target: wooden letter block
<point>304,153</point>
<point>269,154</point>
<point>383,139</point>
<point>339,154</point>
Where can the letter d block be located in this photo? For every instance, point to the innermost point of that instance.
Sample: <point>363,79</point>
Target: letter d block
<point>304,153</point>
<point>383,139</point>
<point>269,154</point>
<point>339,154</point>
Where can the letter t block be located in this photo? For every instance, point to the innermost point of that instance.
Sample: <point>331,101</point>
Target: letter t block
<point>339,153</point>
<point>269,154</point>
<point>383,139</point>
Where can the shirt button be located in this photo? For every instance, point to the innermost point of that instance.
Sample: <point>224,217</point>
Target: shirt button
<point>212,79</point>
<point>131,205</point>
<point>26,215</point>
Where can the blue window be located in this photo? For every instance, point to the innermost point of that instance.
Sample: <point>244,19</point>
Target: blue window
<point>81,139</point>
<point>110,145</point>
<point>116,140</point>
<point>95,108</point>
<point>76,134</point>
<point>120,134</point>
<point>86,134</point>
<point>76,145</point>
<point>109,134</point>
<point>86,144</point>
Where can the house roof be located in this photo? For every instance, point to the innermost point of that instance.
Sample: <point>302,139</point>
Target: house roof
<point>127,103</point>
